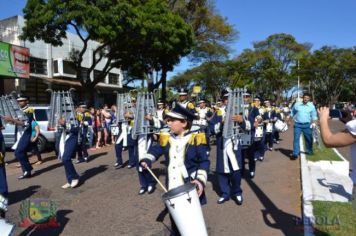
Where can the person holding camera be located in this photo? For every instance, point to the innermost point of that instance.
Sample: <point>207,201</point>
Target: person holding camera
<point>340,139</point>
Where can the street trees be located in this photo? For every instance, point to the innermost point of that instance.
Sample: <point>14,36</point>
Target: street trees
<point>141,36</point>
<point>330,71</point>
<point>275,58</point>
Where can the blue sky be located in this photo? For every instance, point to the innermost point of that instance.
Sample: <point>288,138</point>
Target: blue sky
<point>320,22</point>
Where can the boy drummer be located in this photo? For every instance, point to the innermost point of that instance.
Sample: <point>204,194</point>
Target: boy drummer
<point>188,153</point>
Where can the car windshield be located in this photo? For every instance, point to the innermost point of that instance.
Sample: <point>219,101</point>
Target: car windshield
<point>41,115</point>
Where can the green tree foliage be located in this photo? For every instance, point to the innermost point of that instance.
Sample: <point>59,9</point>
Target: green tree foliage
<point>268,68</point>
<point>211,76</point>
<point>330,71</point>
<point>213,33</point>
<point>157,42</point>
<point>142,36</point>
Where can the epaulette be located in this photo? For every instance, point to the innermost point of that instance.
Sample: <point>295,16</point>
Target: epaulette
<point>29,110</point>
<point>219,113</point>
<point>190,105</point>
<point>163,139</point>
<point>87,114</point>
<point>132,122</point>
<point>198,139</point>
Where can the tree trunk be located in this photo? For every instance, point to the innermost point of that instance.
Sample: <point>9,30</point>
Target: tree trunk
<point>164,83</point>
<point>88,90</point>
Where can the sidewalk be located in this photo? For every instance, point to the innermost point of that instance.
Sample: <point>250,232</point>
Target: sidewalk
<point>323,181</point>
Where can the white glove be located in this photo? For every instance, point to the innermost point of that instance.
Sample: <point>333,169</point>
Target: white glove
<point>3,203</point>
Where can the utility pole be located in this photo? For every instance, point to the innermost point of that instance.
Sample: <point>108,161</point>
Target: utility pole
<point>298,80</point>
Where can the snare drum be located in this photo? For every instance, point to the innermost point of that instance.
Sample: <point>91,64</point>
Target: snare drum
<point>114,129</point>
<point>184,206</point>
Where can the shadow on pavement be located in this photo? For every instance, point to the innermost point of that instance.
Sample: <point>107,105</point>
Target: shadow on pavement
<point>213,178</point>
<point>61,219</point>
<point>45,169</point>
<point>94,156</point>
<point>92,172</point>
<point>20,195</point>
<point>286,152</point>
<point>335,188</point>
<point>275,217</point>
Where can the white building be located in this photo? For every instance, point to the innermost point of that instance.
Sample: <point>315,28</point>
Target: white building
<point>50,67</point>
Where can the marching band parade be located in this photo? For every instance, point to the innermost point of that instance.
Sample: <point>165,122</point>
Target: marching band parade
<point>180,131</point>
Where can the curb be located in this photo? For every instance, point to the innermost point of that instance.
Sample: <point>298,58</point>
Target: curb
<point>308,217</point>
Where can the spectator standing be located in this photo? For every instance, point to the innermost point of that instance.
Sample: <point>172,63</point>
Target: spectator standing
<point>98,128</point>
<point>304,115</point>
<point>34,141</point>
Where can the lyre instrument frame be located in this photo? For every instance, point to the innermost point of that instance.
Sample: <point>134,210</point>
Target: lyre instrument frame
<point>235,106</point>
<point>62,106</point>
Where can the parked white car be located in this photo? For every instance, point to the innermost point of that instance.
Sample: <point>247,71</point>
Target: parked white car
<point>46,137</point>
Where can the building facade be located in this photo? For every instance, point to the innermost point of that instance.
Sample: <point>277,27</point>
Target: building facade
<point>51,67</point>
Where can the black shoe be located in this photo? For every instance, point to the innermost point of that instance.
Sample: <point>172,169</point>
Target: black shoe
<point>238,199</point>
<point>261,158</point>
<point>78,161</point>
<point>142,191</point>
<point>294,157</point>
<point>25,175</point>
<point>117,166</point>
<point>222,200</point>
<point>86,159</point>
<point>150,189</point>
<point>130,166</point>
<point>252,174</point>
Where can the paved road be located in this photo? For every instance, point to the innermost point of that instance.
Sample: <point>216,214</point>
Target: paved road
<point>107,203</point>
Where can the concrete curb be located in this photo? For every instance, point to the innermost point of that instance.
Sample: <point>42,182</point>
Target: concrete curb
<point>308,217</point>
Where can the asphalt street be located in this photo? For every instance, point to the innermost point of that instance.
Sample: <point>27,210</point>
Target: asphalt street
<point>107,200</point>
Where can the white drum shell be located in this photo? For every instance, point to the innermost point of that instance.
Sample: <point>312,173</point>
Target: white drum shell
<point>186,211</point>
<point>281,126</point>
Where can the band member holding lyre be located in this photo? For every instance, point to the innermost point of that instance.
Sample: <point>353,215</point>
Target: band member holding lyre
<point>23,134</point>
<point>228,156</point>
<point>67,147</point>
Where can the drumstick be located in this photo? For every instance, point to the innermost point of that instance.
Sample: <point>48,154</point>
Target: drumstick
<point>154,176</point>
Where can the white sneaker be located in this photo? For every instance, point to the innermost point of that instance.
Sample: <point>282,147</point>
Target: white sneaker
<point>67,185</point>
<point>74,183</point>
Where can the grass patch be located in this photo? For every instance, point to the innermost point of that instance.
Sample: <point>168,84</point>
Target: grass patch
<point>334,218</point>
<point>322,154</point>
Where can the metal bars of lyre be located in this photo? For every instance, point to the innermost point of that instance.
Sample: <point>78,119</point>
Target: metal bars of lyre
<point>145,106</point>
<point>10,107</point>
<point>235,106</point>
<point>61,106</point>
<point>124,104</point>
